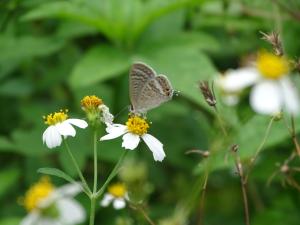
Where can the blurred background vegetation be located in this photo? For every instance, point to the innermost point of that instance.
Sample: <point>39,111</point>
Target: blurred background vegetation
<point>52,53</point>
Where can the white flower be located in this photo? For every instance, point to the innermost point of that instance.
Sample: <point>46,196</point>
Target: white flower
<point>50,206</point>
<point>116,195</point>
<point>135,129</point>
<point>272,90</point>
<point>59,127</point>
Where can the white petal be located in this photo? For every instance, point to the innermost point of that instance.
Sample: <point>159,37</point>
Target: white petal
<point>119,203</point>
<point>47,221</point>
<point>71,212</point>
<point>130,141</point>
<point>65,129</point>
<point>290,96</point>
<point>266,98</point>
<point>236,80</point>
<point>155,146</point>
<point>107,199</point>
<point>78,123</point>
<point>52,137</point>
<point>30,219</point>
<point>114,131</point>
<point>69,190</point>
<point>230,99</point>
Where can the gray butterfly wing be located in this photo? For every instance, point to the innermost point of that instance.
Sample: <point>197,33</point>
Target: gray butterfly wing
<point>140,74</point>
<point>155,92</point>
<point>166,87</point>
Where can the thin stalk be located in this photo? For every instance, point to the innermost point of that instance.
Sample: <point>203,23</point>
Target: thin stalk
<point>142,211</point>
<point>202,199</point>
<point>292,131</point>
<point>243,181</point>
<point>84,183</point>
<point>95,163</point>
<point>113,173</point>
<point>294,136</point>
<point>92,212</point>
<point>259,148</point>
<point>220,121</point>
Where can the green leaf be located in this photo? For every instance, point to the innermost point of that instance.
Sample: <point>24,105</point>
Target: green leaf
<point>57,173</point>
<point>189,40</point>
<point>10,221</point>
<point>29,142</point>
<point>251,135</point>
<point>9,177</point>
<point>16,48</point>
<point>5,144</point>
<point>16,88</point>
<point>69,30</point>
<point>98,64</point>
<point>79,11</point>
<point>154,10</point>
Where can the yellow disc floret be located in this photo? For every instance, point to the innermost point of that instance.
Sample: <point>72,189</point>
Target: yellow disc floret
<point>118,190</point>
<point>39,191</point>
<point>56,117</point>
<point>272,66</point>
<point>137,125</point>
<point>91,102</point>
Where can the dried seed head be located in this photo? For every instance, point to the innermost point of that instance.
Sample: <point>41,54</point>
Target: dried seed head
<point>203,153</point>
<point>208,93</point>
<point>274,39</point>
<point>234,148</point>
<point>284,168</point>
<point>296,65</point>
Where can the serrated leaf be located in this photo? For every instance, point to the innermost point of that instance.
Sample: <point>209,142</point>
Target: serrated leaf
<point>57,173</point>
<point>98,64</point>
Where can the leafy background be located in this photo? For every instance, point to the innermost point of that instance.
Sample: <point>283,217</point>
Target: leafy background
<point>55,52</point>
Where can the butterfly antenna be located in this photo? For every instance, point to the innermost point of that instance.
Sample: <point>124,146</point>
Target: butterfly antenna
<point>122,110</point>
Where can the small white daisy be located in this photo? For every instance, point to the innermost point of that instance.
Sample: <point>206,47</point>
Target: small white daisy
<point>272,90</point>
<point>135,129</point>
<point>49,205</point>
<point>116,195</point>
<point>60,125</point>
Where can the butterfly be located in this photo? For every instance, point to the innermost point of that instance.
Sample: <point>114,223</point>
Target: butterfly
<point>147,89</point>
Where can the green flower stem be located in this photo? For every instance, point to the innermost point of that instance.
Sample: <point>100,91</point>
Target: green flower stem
<point>93,209</point>
<point>95,162</point>
<point>86,188</point>
<point>92,197</point>
<point>113,173</point>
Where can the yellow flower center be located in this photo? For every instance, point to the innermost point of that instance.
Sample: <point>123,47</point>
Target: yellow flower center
<point>272,66</point>
<point>137,125</point>
<point>91,102</point>
<point>117,190</point>
<point>39,191</point>
<point>56,117</point>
